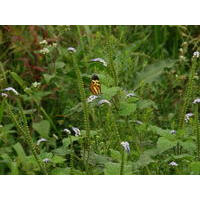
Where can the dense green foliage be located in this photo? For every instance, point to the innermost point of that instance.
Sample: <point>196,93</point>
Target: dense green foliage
<point>149,81</point>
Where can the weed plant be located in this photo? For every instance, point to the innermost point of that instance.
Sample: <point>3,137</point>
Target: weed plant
<point>144,121</point>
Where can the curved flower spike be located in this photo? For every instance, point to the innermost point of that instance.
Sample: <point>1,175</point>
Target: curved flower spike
<point>173,132</point>
<point>77,131</point>
<point>4,95</point>
<point>173,164</point>
<point>91,98</point>
<point>187,117</point>
<point>67,131</point>
<point>101,60</point>
<point>46,160</point>
<point>196,101</point>
<point>104,101</point>
<point>41,140</point>
<point>132,94</point>
<point>126,146</point>
<point>11,89</point>
<point>71,49</point>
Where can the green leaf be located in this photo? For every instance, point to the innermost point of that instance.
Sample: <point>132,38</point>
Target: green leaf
<point>20,152</point>
<point>59,65</point>
<point>164,144</point>
<point>116,156</point>
<point>152,72</point>
<point>42,127</point>
<point>112,168</point>
<point>127,108</point>
<point>48,77</point>
<point>108,93</point>
<point>69,140</point>
<point>142,104</point>
<point>19,80</point>
<point>146,158</point>
<point>58,159</point>
<point>188,145</point>
<point>195,168</point>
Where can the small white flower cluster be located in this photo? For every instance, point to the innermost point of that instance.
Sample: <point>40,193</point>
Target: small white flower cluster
<point>91,98</point>
<point>173,132</point>
<point>196,101</point>
<point>54,44</point>
<point>103,101</point>
<point>126,146</point>
<point>71,49</point>
<point>10,89</point>
<point>187,117</point>
<point>43,42</point>
<point>131,94</point>
<point>101,60</point>
<point>196,54</point>
<point>41,140</point>
<point>44,51</point>
<point>36,84</point>
<point>173,164</point>
<point>46,160</point>
<point>1,126</point>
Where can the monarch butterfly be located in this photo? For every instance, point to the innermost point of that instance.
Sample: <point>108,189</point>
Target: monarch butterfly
<point>95,86</point>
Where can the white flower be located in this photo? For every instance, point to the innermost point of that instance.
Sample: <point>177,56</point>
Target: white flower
<point>173,163</point>
<point>196,101</point>
<point>11,89</point>
<point>196,54</point>
<point>4,95</point>
<point>77,131</point>
<point>182,58</point>
<point>1,126</point>
<point>173,132</point>
<point>71,49</point>
<point>91,98</point>
<point>44,42</point>
<point>187,117</point>
<point>41,140</point>
<point>67,131</point>
<point>36,84</point>
<point>131,94</point>
<point>104,101</point>
<point>126,146</point>
<point>46,160</point>
<point>44,51</point>
<point>101,60</point>
<point>54,44</point>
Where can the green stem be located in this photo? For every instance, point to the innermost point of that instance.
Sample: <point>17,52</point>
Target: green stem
<point>85,108</point>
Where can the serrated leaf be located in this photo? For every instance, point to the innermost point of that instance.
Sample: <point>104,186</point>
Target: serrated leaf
<point>152,72</point>
<point>116,155</point>
<point>42,127</point>
<point>127,108</point>
<point>20,151</point>
<point>164,144</point>
<point>108,93</point>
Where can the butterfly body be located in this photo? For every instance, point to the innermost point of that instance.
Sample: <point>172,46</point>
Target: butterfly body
<point>95,86</point>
